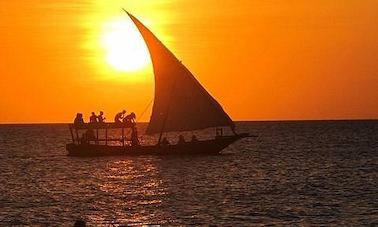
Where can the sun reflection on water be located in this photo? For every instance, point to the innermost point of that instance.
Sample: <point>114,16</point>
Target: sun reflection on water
<point>132,185</point>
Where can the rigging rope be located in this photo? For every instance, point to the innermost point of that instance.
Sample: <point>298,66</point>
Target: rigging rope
<point>145,109</point>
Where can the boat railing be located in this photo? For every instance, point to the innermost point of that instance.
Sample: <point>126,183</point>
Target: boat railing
<point>93,132</point>
<point>111,125</point>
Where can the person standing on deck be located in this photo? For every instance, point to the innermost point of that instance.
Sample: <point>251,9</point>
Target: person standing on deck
<point>93,118</point>
<point>119,116</point>
<point>134,137</point>
<point>101,118</point>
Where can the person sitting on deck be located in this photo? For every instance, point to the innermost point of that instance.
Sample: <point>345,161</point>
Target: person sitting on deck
<point>181,140</point>
<point>130,119</point>
<point>194,138</point>
<point>134,137</point>
<point>219,133</point>
<point>79,119</point>
<point>164,142</point>
<point>88,136</point>
<point>118,117</point>
<point>101,118</point>
<point>93,118</point>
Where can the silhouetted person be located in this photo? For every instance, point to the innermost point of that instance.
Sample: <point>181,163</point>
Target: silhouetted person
<point>93,118</point>
<point>131,118</point>
<point>194,138</point>
<point>134,137</point>
<point>79,119</point>
<point>88,136</point>
<point>164,142</point>
<point>219,132</point>
<point>181,139</point>
<point>101,118</point>
<point>119,116</point>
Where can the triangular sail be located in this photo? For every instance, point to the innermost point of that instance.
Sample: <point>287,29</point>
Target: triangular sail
<point>181,103</point>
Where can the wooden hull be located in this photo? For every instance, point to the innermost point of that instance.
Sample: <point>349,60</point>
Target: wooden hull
<point>190,148</point>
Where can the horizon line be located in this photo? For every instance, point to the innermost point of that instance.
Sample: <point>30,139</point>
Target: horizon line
<point>267,120</point>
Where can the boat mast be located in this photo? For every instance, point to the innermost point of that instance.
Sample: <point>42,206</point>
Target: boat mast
<point>168,108</point>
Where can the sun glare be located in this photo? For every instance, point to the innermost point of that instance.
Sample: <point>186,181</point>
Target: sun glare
<point>124,47</point>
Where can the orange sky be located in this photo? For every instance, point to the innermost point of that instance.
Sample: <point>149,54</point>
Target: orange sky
<point>262,60</point>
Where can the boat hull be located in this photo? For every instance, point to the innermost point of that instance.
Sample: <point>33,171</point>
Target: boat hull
<point>189,148</point>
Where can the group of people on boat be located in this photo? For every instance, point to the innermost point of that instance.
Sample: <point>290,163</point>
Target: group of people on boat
<point>120,117</point>
<point>92,119</point>
<point>97,118</point>
<point>181,140</point>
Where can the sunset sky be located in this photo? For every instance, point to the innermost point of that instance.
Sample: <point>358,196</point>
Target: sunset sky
<point>262,60</point>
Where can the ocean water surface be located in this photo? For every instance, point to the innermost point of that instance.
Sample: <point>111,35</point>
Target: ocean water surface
<point>293,173</point>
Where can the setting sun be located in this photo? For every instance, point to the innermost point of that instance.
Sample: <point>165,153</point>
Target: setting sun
<point>124,47</point>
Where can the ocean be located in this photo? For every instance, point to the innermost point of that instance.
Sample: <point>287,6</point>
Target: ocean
<point>293,173</point>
